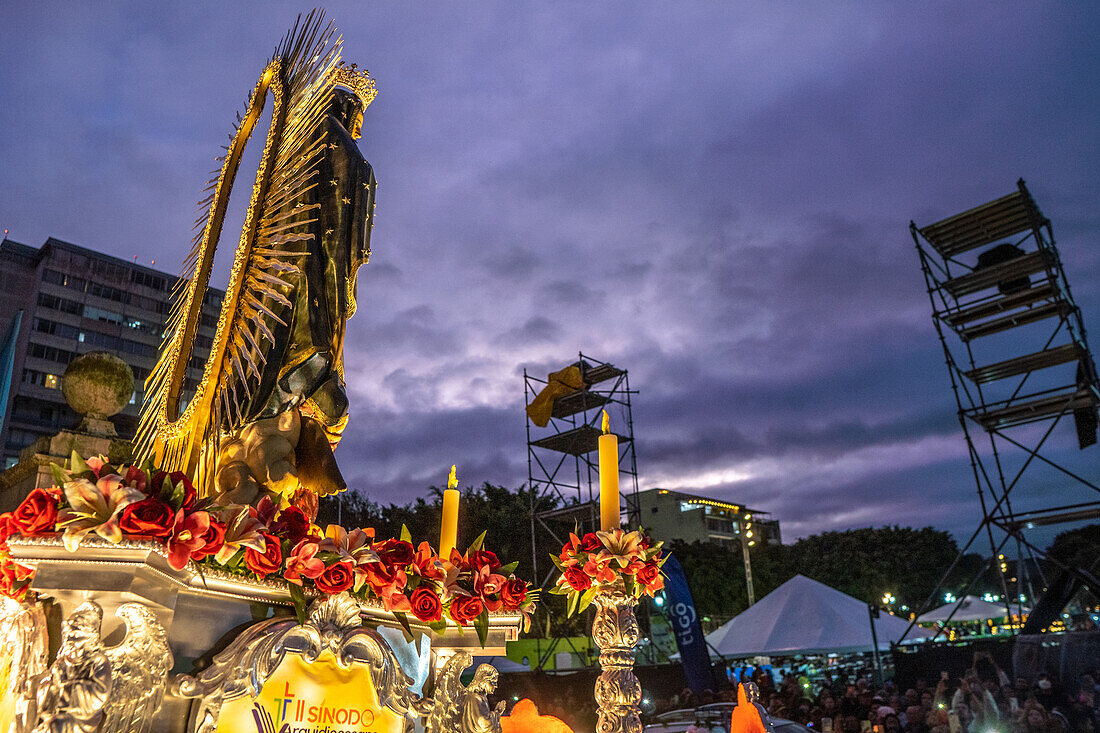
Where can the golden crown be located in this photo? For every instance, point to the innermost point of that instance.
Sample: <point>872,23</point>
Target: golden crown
<point>358,81</point>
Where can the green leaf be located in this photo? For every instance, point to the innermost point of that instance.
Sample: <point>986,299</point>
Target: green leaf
<point>557,562</point>
<point>481,626</point>
<point>478,543</point>
<point>178,493</point>
<point>259,610</point>
<point>77,464</point>
<point>404,621</point>
<point>166,490</point>
<point>574,599</point>
<point>405,534</point>
<point>586,599</point>
<point>438,626</point>
<point>59,476</point>
<point>298,596</point>
<point>508,569</point>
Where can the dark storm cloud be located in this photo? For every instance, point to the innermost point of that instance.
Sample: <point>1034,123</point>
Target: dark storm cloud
<point>715,197</point>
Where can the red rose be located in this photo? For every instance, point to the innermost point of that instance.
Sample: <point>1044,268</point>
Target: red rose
<point>465,608</point>
<point>577,579</point>
<point>649,575</point>
<point>6,529</point>
<point>396,553</point>
<point>213,539</point>
<point>378,574</point>
<point>14,579</point>
<point>37,513</point>
<point>590,543</point>
<point>147,518</point>
<point>269,561</point>
<point>483,558</point>
<point>426,605</point>
<point>514,593</point>
<point>292,525</point>
<point>337,577</point>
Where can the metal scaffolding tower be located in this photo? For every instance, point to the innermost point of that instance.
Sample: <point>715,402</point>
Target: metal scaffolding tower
<point>562,459</point>
<point>1019,363</point>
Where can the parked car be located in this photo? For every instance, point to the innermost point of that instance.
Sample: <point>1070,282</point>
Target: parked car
<point>715,718</point>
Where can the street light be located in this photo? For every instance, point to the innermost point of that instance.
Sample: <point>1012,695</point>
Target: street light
<point>747,541</point>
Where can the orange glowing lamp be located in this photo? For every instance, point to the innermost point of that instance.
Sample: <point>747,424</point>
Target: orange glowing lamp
<point>746,717</point>
<point>525,718</point>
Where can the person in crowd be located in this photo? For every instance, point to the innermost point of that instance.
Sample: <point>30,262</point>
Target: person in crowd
<point>914,720</point>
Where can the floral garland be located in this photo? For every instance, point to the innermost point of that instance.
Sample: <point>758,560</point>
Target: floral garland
<point>265,541</point>
<point>601,561</point>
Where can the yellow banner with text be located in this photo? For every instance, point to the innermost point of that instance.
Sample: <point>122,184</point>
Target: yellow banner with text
<point>321,697</point>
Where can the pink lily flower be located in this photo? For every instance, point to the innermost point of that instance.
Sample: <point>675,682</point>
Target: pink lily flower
<point>187,537</point>
<point>303,562</point>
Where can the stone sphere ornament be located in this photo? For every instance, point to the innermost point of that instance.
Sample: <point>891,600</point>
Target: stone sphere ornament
<point>98,384</point>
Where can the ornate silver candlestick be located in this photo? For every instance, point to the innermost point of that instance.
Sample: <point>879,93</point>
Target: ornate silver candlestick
<point>615,631</point>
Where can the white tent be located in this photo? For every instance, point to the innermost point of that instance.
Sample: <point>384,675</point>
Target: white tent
<point>972,608</point>
<point>803,616</point>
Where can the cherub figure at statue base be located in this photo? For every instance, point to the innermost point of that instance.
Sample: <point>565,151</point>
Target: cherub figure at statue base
<point>287,457</point>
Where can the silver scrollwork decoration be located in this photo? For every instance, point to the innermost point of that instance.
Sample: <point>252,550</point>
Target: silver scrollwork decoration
<point>615,631</point>
<point>333,623</point>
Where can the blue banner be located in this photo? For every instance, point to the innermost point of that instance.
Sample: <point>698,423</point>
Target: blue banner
<point>687,628</point>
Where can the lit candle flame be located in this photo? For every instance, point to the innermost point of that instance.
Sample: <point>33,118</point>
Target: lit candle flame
<point>606,423</point>
<point>452,480</point>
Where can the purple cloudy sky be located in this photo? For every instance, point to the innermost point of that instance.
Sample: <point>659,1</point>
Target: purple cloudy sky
<point>713,195</point>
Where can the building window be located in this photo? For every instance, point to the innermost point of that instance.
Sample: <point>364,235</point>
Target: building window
<point>108,293</point>
<point>134,347</point>
<point>94,338</point>
<point>54,328</point>
<point>60,304</point>
<point>109,271</point>
<point>144,326</point>
<point>50,353</point>
<point>60,278</point>
<point>715,524</point>
<point>138,277</point>
<point>98,314</point>
<point>42,379</point>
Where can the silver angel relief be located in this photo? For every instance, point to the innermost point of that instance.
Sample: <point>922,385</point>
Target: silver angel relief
<point>92,687</point>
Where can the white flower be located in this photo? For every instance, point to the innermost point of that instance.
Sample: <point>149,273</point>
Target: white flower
<point>95,507</point>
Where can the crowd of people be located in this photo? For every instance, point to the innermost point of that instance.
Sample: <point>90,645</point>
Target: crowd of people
<point>983,700</point>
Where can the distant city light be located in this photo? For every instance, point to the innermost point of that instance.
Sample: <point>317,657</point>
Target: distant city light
<point>949,598</point>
